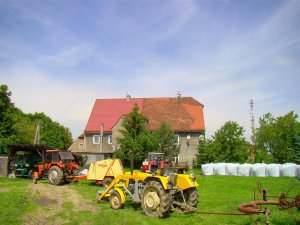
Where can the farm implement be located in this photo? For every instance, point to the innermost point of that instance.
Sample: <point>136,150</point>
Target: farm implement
<point>159,195</point>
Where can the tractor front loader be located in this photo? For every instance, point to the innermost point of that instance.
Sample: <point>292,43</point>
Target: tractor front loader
<point>158,195</point>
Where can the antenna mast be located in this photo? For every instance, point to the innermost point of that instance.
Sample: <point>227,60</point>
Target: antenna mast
<point>251,102</point>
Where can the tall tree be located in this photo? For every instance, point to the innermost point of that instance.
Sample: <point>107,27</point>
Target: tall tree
<point>6,118</point>
<point>280,137</point>
<point>227,145</point>
<point>166,141</point>
<point>231,142</point>
<point>136,141</point>
<point>17,127</point>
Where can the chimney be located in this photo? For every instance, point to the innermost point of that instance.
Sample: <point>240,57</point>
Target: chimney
<point>128,97</point>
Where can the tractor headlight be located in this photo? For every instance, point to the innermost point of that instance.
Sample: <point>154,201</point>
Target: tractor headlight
<point>27,165</point>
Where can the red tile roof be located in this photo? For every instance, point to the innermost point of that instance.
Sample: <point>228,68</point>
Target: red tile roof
<point>182,114</point>
<point>109,111</point>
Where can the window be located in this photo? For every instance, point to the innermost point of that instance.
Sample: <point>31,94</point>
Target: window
<point>81,146</point>
<point>176,139</point>
<point>96,139</point>
<point>109,137</point>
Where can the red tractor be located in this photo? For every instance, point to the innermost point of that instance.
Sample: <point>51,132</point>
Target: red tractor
<point>60,166</point>
<point>155,161</point>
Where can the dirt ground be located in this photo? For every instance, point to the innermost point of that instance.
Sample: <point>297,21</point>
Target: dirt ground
<point>50,199</point>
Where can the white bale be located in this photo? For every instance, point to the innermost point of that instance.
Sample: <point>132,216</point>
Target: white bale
<point>231,169</point>
<point>258,170</point>
<point>220,169</point>
<point>244,170</point>
<point>273,170</point>
<point>298,171</point>
<point>207,169</point>
<point>288,170</point>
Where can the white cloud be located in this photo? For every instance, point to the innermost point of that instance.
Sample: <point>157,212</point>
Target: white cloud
<point>69,103</point>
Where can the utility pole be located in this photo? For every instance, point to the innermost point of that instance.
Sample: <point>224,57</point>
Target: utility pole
<point>37,134</point>
<point>253,148</point>
<point>252,120</point>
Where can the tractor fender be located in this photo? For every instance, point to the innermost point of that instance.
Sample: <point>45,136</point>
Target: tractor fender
<point>160,179</point>
<point>121,193</point>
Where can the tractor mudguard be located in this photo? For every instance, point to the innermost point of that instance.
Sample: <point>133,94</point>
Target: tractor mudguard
<point>121,193</point>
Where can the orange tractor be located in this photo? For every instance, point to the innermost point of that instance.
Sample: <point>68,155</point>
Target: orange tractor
<point>60,166</point>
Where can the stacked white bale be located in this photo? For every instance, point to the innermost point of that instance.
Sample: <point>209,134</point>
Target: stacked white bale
<point>273,170</point>
<point>243,169</point>
<point>231,169</point>
<point>220,169</point>
<point>258,170</point>
<point>298,171</point>
<point>207,169</point>
<point>288,170</point>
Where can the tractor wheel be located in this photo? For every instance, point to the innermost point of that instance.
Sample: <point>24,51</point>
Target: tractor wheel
<point>107,181</point>
<point>115,200</point>
<point>55,175</point>
<point>155,200</point>
<point>192,197</point>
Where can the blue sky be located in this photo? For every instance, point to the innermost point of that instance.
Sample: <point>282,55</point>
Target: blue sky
<point>57,57</point>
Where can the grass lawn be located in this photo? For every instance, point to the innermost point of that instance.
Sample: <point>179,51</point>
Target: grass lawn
<point>216,193</point>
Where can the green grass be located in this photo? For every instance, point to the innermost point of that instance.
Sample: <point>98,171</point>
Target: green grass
<point>216,193</point>
<point>15,200</point>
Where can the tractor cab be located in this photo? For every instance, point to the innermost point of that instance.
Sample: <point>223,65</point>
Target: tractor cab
<point>59,156</point>
<point>154,161</point>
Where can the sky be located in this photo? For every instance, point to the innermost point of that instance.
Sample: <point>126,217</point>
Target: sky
<point>59,56</point>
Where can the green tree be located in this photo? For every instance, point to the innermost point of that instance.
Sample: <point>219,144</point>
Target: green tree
<point>52,134</point>
<point>227,145</point>
<point>280,137</point>
<point>6,119</point>
<point>206,152</point>
<point>166,141</point>
<point>136,141</point>
<point>17,127</point>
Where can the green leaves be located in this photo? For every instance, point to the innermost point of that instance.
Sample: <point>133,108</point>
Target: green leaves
<point>17,127</point>
<point>280,137</point>
<point>227,145</point>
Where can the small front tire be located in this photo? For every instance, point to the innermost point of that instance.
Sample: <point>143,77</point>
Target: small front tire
<point>115,200</point>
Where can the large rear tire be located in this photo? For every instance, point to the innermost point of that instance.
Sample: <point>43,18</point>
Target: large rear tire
<point>155,200</point>
<point>55,176</point>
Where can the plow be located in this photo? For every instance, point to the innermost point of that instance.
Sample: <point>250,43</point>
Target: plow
<point>160,195</point>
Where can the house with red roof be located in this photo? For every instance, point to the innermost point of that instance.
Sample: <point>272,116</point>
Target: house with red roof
<point>183,114</point>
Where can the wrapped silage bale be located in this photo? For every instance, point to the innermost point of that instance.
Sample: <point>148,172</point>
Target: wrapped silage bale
<point>244,169</point>
<point>220,169</point>
<point>258,170</point>
<point>298,171</point>
<point>207,169</point>
<point>231,169</point>
<point>288,170</point>
<point>273,170</point>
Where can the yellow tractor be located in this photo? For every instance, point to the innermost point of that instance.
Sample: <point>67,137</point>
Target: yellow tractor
<point>157,194</point>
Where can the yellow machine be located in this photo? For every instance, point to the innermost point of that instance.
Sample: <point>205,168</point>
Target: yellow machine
<point>157,194</point>
<point>104,171</point>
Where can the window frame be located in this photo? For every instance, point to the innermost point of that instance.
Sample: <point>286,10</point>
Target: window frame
<point>94,139</point>
<point>109,139</point>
